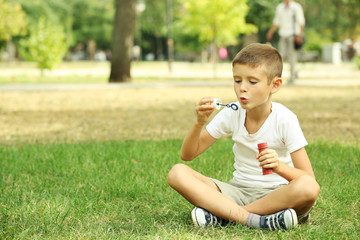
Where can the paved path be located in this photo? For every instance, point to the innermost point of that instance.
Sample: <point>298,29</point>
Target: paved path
<point>311,74</point>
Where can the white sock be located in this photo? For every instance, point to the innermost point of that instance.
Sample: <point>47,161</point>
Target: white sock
<point>253,220</point>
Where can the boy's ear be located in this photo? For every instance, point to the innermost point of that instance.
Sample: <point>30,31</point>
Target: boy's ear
<point>276,84</point>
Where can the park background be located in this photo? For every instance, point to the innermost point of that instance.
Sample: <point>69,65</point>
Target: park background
<point>82,158</point>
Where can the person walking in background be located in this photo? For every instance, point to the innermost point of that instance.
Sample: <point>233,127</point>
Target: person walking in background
<point>290,20</point>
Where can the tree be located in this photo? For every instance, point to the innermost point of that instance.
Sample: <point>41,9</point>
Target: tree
<point>216,21</point>
<point>46,45</point>
<point>261,14</point>
<point>82,20</point>
<point>12,22</point>
<point>334,19</point>
<point>94,21</point>
<point>122,40</point>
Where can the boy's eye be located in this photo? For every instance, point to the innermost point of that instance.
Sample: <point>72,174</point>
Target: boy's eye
<point>253,81</point>
<point>237,80</point>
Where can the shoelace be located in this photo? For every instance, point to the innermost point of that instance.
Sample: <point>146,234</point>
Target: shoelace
<point>211,219</point>
<point>273,222</point>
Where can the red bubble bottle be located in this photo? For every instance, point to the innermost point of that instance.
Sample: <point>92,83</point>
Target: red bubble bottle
<point>262,147</point>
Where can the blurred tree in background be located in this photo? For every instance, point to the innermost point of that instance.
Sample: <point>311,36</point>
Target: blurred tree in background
<point>93,20</point>
<point>151,27</point>
<point>46,45</point>
<point>261,14</point>
<point>90,24</point>
<point>81,20</point>
<point>334,19</point>
<point>331,20</point>
<point>215,22</point>
<point>12,23</point>
<point>122,40</point>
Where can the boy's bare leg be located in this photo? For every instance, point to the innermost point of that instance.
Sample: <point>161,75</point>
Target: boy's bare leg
<point>203,192</point>
<point>300,195</point>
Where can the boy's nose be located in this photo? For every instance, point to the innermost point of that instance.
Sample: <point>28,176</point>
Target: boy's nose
<point>243,87</point>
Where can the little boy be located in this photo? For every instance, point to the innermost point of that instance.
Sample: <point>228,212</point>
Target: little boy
<point>276,201</point>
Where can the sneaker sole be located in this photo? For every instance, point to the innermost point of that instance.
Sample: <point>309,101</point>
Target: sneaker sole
<point>194,219</point>
<point>293,218</point>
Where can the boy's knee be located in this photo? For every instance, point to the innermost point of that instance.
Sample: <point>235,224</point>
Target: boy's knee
<point>308,188</point>
<point>175,174</point>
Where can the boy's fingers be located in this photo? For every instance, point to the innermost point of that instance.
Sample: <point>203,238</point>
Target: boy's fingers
<point>204,108</point>
<point>267,156</point>
<point>206,101</point>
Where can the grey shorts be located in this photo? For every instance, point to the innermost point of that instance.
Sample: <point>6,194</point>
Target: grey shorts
<point>244,194</point>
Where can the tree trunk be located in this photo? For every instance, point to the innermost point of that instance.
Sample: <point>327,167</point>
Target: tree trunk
<point>11,51</point>
<point>122,40</point>
<point>214,52</point>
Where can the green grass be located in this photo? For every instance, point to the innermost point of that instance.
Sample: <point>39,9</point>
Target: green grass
<point>118,190</point>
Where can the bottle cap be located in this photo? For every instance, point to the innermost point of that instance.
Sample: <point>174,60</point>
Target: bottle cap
<point>262,145</point>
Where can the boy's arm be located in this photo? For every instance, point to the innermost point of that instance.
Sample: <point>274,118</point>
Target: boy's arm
<point>301,163</point>
<point>198,140</point>
<point>299,158</point>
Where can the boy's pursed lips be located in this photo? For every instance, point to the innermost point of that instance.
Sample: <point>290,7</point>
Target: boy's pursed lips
<point>243,99</point>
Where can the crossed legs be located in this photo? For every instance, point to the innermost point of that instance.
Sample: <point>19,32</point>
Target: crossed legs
<point>300,194</point>
<point>201,191</point>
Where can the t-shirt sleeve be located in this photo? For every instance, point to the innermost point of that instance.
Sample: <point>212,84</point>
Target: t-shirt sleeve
<point>293,135</point>
<point>221,124</point>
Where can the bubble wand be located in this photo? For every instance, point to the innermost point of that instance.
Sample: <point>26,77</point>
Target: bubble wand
<point>217,103</point>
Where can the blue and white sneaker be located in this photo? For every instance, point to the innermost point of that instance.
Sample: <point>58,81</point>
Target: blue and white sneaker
<point>203,218</point>
<point>283,220</point>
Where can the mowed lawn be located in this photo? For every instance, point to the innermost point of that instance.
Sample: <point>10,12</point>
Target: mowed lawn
<point>93,164</point>
<point>118,190</point>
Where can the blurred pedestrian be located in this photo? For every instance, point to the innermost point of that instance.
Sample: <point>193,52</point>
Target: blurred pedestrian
<point>290,20</point>
<point>223,53</point>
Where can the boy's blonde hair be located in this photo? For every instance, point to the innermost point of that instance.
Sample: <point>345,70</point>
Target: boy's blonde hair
<point>258,54</point>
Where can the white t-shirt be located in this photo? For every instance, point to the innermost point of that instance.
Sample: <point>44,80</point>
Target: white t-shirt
<point>284,18</point>
<point>281,131</point>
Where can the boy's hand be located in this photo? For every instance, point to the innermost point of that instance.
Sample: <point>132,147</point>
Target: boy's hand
<point>204,108</point>
<point>269,158</point>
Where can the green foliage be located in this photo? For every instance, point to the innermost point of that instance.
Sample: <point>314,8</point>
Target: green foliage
<point>82,20</point>
<point>356,60</point>
<point>222,20</point>
<point>261,14</point>
<point>13,20</point>
<point>333,19</point>
<point>314,41</point>
<point>93,19</point>
<point>215,20</point>
<point>46,45</point>
<point>58,12</point>
<point>152,20</point>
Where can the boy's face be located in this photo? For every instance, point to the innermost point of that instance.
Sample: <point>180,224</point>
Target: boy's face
<point>251,86</point>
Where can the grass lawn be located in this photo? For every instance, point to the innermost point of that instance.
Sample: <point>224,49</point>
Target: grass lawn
<point>118,190</point>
